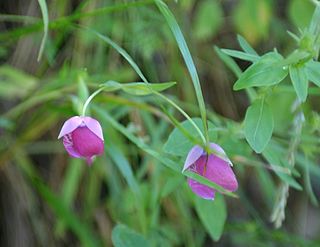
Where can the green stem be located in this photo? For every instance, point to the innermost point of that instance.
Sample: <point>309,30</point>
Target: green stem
<point>89,100</point>
<point>183,113</point>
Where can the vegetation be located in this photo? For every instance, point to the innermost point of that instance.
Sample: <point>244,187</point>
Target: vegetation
<point>160,77</point>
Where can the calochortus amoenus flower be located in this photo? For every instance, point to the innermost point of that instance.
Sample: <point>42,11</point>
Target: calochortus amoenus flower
<point>216,167</point>
<point>82,138</point>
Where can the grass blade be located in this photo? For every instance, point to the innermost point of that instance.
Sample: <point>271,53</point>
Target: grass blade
<point>187,58</point>
<point>120,50</point>
<point>45,16</point>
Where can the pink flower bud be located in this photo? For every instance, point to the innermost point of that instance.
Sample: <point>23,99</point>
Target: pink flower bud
<point>215,167</point>
<point>82,138</point>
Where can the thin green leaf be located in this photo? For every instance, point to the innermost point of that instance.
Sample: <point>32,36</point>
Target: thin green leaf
<point>258,125</point>
<point>299,80</point>
<point>212,214</point>
<point>45,16</point>
<point>313,72</point>
<point>314,27</point>
<point>246,46</point>
<point>187,58</point>
<point>308,184</point>
<point>231,64</point>
<point>294,58</point>
<point>121,51</point>
<point>265,72</point>
<point>241,55</point>
<point>137,88</point>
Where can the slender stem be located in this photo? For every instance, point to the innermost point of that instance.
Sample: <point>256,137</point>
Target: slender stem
<point>88,101</point>
<point>183,113</point>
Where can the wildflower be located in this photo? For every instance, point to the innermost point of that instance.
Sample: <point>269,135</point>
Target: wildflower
<point>82,138</point>
<point>214,167</point>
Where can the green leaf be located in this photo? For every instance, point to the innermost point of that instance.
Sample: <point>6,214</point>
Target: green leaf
<point>231,64</point>
<point>121,51</point>
<point>44,11</point>
<point>137,88</point>
<point>212,214</point>
<point>314,27</point>
<point>277,160</point>
<point>208,19</point>
<point>123,236</point>
<point>187,58</point>
<point>295,57</point>
<point>313,72</point>
<point>299,80</point>
<point>258,125</point>
<point>246,46</point>
<point>265,72</point>
<point>178,144</point>
<point>241,55</point>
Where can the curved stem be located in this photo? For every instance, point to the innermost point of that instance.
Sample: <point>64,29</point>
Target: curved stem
<point>183,113</point>
<point>88,101</point>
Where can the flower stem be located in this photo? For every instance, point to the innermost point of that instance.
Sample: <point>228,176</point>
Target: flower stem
<point>89,100</point>
<point>183,113</point>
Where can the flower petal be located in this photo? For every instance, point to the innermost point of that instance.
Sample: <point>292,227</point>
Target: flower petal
<point>68,144</point>
<point>221,152</point>
<point>86,143</point>
<point>194,154</point>
<point>70,125</point>
<point>201,190</point>
<point>219,171</point>
<point>94,126</point>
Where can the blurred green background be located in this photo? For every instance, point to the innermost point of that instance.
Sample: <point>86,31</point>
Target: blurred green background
<point>49,199</point>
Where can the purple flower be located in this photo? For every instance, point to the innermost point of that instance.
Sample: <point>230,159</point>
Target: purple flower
<point>82,138</point>
<point>214,167</point>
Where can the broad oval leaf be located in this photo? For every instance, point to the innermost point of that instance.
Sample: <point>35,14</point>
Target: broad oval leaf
<point>123,236</point>
<point>258,125</point>
<point>137,88</point>
<point>179,144</point>
<point>299,80</point>
<point>313,72</point>
<point>265,72</point>
<point>212,214</point>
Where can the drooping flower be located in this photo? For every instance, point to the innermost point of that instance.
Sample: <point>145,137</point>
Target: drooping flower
<point>82,138</point>
<point>214,167</point>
